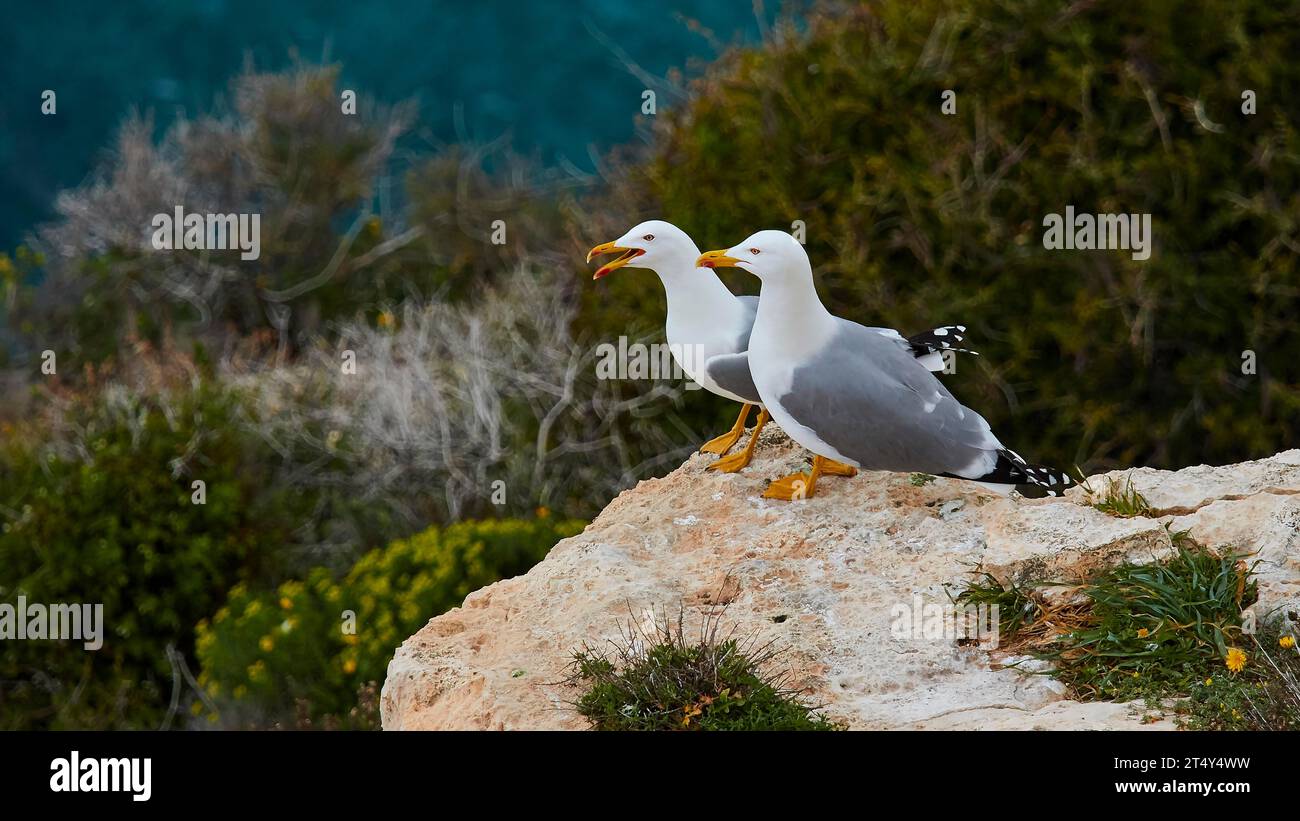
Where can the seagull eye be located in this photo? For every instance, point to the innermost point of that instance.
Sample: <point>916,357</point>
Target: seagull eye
<point>753,251</point>
<point>648,237</point>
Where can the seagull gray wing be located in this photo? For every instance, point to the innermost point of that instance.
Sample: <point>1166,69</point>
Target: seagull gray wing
<point>868,397</point>
<point>750,306</point>
<point>731,372</point>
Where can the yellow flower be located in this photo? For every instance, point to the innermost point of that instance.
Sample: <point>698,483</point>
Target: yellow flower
<point>267,644</point>
<point>691,711</point>
<point>1143,633</point>
<point>349,666</point>
<point>1287,642</point>
<point>1236,660</point>
<point>386,319</point>
<point>1209,681</point>
<point>286,603</point>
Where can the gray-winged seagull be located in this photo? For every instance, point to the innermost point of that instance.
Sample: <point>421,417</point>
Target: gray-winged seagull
<point>850,394</point>
<point>708,329</point>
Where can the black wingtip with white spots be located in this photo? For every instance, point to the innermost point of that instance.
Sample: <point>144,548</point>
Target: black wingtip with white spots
<point>944,338</point>
<point>1031,480</point>
<point>1052,481</point>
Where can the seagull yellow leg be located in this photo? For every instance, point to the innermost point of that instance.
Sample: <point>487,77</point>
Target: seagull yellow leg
<point>722,444</point>
<point>830,467</point>
<point>736,461</point>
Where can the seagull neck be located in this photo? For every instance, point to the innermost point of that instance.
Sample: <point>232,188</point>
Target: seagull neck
<point>791,318</point>
<point>784,299</point>
<point>696,294</point>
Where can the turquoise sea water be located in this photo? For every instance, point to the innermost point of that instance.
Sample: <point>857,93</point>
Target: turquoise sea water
<point>537,69</point>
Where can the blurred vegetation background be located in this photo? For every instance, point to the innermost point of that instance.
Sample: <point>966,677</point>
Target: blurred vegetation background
<point>473,433</point>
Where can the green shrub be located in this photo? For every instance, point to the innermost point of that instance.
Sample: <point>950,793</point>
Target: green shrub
<point>105,515</point>
<point>661,680</point>
<point>267,651</point>
<point>1165,622</point>
<point>915,218</point>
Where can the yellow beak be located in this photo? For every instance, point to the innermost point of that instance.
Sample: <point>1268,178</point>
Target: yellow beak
<point>629,254</point>
<point>716,259</point>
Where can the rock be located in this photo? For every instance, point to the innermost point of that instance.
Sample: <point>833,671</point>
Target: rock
<point>834,580</point>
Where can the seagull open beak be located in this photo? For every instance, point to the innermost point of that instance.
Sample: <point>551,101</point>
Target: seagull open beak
<point>629,254</point>
<point>716,259</point>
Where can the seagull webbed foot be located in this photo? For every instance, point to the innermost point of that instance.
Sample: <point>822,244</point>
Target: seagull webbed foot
<point>803,485</point>
<point>736,461</point>
<point>725,442</point>
<point>789,488</point>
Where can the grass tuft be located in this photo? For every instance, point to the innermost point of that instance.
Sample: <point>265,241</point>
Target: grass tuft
<point>1018,607</point>
<point>1170,633</point>
<point>1162,623</point>
<point>655,678</point>
<point>1118,498</point>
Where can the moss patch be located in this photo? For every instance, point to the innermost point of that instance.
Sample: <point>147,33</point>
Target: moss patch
<point>656,678</point>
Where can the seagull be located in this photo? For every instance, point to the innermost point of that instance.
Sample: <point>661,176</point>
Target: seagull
<point>708,330</point>
<point>853,395</point>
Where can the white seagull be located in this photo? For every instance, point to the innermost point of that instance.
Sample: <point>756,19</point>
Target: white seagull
<point>851,394</point>
<point>708,329</point>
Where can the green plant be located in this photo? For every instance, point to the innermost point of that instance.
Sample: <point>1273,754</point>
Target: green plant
<point>307,645</point>
<point>1017,606</point>
<point>1169,634</point>
<point>658,679</point>
<point>1118,498</point>
<point>1263,695</point>
<point>105,511</point>
<point>1161,622</point>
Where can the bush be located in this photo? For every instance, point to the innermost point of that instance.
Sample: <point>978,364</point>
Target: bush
<point>448,399</point>
<point>281,150</point>
<point>915,218</point>
<point>101,512</point>
<point>657,679</point>
<point>316,641</point>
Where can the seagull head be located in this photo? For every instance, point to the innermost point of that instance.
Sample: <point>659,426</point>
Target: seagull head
<point>651,244</point>
<point>768,255</point>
